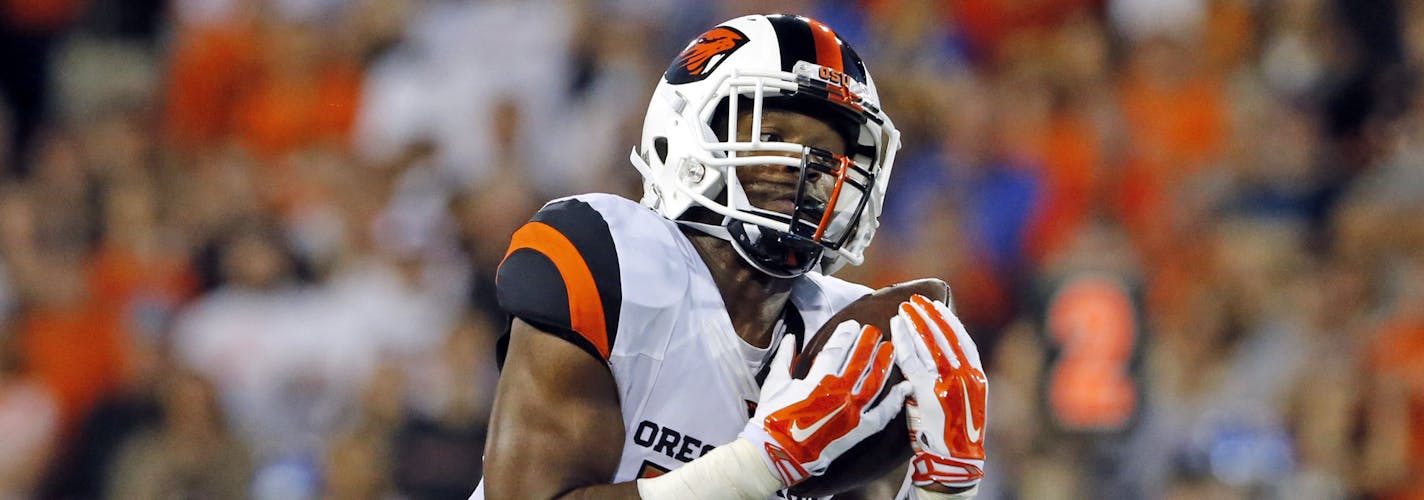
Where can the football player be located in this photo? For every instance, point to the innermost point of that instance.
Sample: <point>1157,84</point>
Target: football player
<point>650,347</point>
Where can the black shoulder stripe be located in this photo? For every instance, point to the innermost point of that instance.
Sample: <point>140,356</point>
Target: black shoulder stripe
<point>585,228</point>
<point>539,282</point>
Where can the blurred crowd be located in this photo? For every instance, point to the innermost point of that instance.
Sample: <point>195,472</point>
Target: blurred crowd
<point>247,246</point>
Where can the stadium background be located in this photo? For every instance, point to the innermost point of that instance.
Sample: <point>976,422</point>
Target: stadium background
<point>246,246</point>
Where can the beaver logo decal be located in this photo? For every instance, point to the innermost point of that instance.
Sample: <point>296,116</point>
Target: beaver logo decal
<point>702,57</point>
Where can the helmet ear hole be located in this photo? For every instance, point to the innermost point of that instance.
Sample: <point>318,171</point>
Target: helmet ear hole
<point>660,147</point>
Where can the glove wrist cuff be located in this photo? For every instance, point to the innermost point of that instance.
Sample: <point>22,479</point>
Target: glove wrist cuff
<point>774,458</point>
<point>931,469</point>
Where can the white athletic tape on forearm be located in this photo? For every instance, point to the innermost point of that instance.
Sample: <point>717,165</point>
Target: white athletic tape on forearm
<point>732,471</point>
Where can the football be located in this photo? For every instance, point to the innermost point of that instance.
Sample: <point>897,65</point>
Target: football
<point>883,451</point>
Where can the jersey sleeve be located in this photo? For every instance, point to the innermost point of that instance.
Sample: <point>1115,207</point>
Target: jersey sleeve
<point>561,274</point>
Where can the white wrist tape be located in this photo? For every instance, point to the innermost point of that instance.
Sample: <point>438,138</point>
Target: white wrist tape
<point>735,470</point>
<point>924,494</point>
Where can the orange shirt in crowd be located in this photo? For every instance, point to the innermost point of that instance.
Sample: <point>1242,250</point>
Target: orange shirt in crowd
<point>1230,34</point>
<point>76,351</point>
<point>991,24</point>
<point>40,16</point>
<point>1072,160</point>
<point>208,70</point>
<point>1175,129</point>
<point>1398,354</point>
<point>220,86</point>
<point>280,115</point>
<point>117,277</point>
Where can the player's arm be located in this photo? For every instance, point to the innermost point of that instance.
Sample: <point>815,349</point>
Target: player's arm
<point>556,430</point>
<point>557,427</point>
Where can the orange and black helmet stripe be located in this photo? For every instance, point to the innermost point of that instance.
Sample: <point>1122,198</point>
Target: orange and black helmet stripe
<point>805,39</point>
<point>828,47</point>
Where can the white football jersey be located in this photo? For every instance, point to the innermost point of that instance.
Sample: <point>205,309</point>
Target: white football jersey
<point>625,284</point>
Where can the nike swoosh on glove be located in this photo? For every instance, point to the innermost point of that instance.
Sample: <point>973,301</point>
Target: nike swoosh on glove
<point>803,425</point>
<point>947,407</point>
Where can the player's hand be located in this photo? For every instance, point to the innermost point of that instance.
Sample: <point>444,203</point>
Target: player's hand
<point>946,409</point>
<point>802,425</point>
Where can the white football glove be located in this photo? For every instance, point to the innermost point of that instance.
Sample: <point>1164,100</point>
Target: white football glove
<point>802,425</point>
<point>947,408</point>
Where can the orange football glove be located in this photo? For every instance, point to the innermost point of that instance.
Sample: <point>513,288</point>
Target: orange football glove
<point>947,407</point>
<point>802,425</point>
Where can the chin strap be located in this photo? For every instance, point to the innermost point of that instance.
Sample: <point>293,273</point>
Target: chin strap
<point>721,233</point>
<point>713,230</point>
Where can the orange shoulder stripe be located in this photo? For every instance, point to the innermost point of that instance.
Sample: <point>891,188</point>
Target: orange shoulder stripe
<point>585,304</point>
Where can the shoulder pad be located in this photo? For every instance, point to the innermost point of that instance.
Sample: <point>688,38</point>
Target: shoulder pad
<point>561,275</point>
<point>581,262</point>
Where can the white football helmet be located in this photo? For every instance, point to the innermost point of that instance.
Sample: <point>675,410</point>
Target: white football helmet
<point>690,149</point>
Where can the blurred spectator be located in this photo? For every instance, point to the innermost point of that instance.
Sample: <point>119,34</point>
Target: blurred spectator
<point>613,63</point>
<point>85,467</point>
<point>1224,367</point>
<point>29,417</point>
<point>984,179</point>
<point>395,294</point>
<point>1393,458</point>
<point>1143,19</point>
<point>67,341</point>
<point>135,271</point>
<point>1323,405</point>
<point>358,466</point>
<point>997,29</point>
<point>1176,124</point>
<point>302,93</point>
<point>251,337</point>
<point>191,453</point>
<point>208,63</point>
<point>1077,139</point>
<point>438,86</point>
<point>1295,48</point>
<point>29,30</point>
<point>360,461</point>
<point>140,282</point>
<point>64,190</point>
<point>127,19</point>
<point>486,217</point>
<point>440,446</point>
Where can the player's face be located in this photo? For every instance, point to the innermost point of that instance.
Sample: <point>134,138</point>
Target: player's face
<point>774,187</point>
